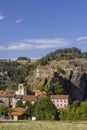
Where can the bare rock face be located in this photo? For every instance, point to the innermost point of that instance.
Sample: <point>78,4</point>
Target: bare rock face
<point>42,72</point>
<point>75,86</point>
<point>74,83</point>
<point>79,86</point>
<point>40,75</point>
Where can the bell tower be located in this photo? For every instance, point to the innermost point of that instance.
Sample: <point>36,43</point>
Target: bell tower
<point>21,90</point>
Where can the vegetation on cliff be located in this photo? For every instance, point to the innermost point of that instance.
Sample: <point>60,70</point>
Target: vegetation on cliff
<point>63,54</point>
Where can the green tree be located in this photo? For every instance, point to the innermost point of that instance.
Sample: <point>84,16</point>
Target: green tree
<point>19,103</point>
<point>3,109</point>
<point>59,69</point>
<point>62,114</point>
<point>83,110</point>
<point>22,58</point>
<point>77,114</point>
<point>29,109</point>
<point>76,111</point>
<point>41,87</point>
<point>58,88</point>
<point>66,114</point>
<point>45,109</point>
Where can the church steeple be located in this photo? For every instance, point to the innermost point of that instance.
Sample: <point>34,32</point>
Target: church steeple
<point>21,90</point>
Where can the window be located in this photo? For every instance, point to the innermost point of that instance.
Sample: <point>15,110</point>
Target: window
<point>58,105</point>
<point>65,101</point>
<point>20,87</point>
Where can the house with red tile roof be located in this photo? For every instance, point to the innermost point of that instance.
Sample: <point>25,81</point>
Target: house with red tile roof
<point>36,92</point>
<point>60,101</point>
<point>31,98</point>
<point>17,113</point>
<point>6,98</point>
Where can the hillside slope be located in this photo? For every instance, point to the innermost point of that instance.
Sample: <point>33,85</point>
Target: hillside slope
<point>66,68</point>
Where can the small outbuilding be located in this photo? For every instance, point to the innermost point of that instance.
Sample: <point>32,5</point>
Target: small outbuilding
<point>17,113</point>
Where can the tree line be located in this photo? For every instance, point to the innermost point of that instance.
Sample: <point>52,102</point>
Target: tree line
<point>14,72</point>
<point>63,54</point>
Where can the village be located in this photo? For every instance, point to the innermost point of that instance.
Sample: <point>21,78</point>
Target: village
<point>9,99</point>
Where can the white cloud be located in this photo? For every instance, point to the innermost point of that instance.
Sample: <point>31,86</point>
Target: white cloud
<point>16,46</point>
<point>19,20</point>
<point>48,43</point>
<point>19,46</point>
<point>2,17</point>
<point>37,44</point>
<point>49,46</point>
<point>81,38</point>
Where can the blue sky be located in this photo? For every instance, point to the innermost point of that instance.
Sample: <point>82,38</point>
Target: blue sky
<point>32,28</point>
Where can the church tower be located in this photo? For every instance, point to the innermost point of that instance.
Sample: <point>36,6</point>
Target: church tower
<point>21,90</point>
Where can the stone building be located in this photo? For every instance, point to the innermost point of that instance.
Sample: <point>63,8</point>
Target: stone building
<point>60,101</point>
<point>6,98</point>
<point>31,98</point>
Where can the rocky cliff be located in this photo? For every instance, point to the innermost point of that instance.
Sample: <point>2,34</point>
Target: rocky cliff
<point>79,86</point>
<point>73,80</point>
<point>75,85</point>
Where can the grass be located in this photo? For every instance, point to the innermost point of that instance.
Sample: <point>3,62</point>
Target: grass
<point>43,125</point>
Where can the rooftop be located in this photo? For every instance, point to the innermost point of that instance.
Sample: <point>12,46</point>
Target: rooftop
<point>38,92</point>
<point>18,111</point>
<point>5,94</point>
<point>60,96</point>
<point>29,98</point>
